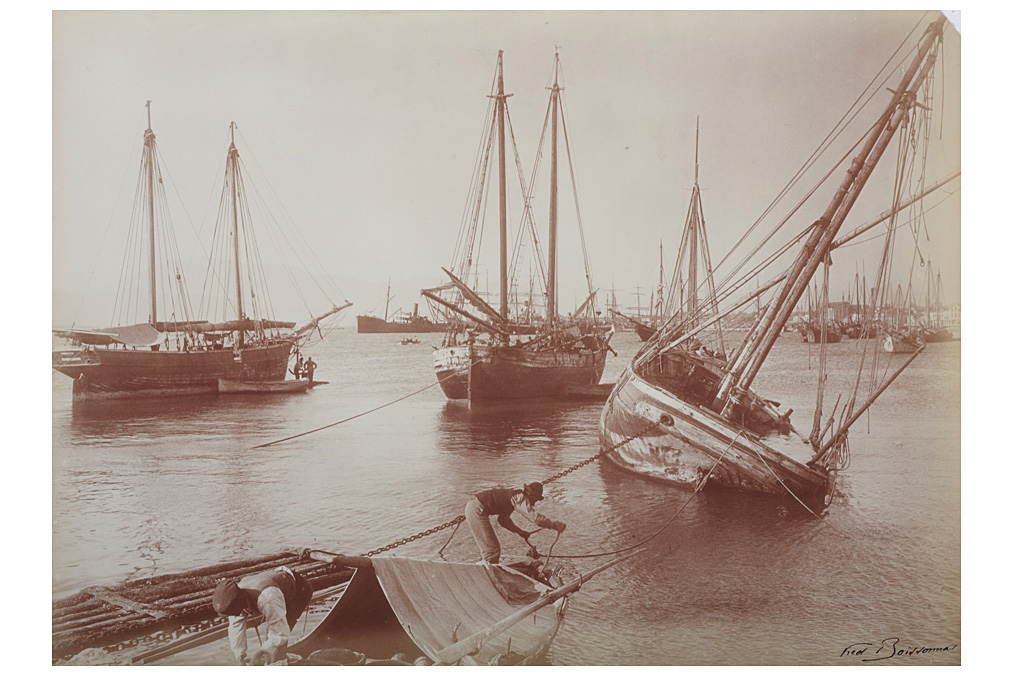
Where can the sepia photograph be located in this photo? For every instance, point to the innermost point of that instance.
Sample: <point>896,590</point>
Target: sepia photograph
<point>561,338</point>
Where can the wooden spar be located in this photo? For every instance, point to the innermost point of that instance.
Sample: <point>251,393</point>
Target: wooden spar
<point>693,223</point>
<point>862,409</point>
<point>232,162</point>
<point>387,299</point>
<point>501,103</point>
<point>340,559</point>
<point>587,300</point>
<point>316,320</point>
<point>890,212</point>
<point>475,298</point>
<point>551,308</point>
<point>149,145</point>
<point>467,646</point>
<point>818,243</point>
<point>463,312</point>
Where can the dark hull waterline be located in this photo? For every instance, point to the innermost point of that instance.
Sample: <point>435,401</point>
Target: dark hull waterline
<point>121,373</point>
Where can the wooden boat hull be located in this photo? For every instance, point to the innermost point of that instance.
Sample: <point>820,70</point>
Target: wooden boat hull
<point>899,344</point>
<point>116,373</point>
<point>263,386</point>
<point>417,608</point>
<point>687,451</point>
<point>644,332</point>
<point>489,373</point>
<point>367,324</point>
<point>940,335</point>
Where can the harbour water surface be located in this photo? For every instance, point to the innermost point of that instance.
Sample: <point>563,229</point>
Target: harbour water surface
<point>175,484</point>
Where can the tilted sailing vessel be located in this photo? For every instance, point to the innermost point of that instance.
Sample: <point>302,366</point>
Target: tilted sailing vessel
<point>481,357</point>
<point>169,352</point>
<point>693,419</point>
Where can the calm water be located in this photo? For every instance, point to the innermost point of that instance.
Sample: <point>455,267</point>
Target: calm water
<point>736,579</point>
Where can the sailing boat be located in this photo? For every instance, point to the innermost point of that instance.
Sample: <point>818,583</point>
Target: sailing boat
<point>692,273</point>
<point>480,358</point>
<point>934,331</point>
<point>679,416</point>
<point>646,329</point>
<point>900,337</point>
<point>178,354</point>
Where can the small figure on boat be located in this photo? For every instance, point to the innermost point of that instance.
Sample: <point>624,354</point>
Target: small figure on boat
<point>297,370</point>
<point>308,368</point>
<point>502,502</point>
<point>280,595</point>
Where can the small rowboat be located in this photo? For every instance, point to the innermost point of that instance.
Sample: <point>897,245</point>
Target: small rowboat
<point>438,612</point>
<point>265,386</point>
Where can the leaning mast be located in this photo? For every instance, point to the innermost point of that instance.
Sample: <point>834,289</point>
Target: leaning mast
<point>818,245</point>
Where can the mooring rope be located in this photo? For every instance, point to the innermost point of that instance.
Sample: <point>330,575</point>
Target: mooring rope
<point>777,478</point>
<point>360,415</point>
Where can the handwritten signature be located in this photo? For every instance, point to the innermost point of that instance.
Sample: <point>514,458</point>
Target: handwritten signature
<point>891,647</point>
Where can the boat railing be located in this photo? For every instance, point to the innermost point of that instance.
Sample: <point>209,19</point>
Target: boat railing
<point>74,356</point>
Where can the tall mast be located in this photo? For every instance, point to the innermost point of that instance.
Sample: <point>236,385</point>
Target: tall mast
<point>501,102</point>
<point>149,147</point>
<point>551,282</point>
<point>694,227</point>
<point>753,354</point>
<point>661,285</point>
<point>234,172</point>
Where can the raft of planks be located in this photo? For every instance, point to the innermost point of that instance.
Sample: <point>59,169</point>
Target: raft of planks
<point>102,616</point>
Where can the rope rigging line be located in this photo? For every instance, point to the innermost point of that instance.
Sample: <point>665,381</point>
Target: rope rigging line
<point>679,511</point>
<point>461,517</point>
<point>358,415</point>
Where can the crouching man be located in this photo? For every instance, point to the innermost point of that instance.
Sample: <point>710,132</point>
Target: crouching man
<point>279,595</point>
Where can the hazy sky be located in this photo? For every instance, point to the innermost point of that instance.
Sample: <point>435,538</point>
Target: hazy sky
<point>367,125</point>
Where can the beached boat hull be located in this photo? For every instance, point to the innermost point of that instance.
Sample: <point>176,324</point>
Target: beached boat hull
<point>490,373</point>
<point>117,373</point>
<point>685,452</point>
<point>417,608</point>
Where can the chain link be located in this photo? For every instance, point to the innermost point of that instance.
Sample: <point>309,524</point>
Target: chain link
<point>602,453</point>
<point>458,519</point>
<point>426,533</point>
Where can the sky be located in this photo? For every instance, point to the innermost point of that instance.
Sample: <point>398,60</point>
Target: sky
<point>366,126</point>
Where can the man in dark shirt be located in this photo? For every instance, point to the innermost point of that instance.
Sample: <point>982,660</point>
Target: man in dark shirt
<point>503,502</point>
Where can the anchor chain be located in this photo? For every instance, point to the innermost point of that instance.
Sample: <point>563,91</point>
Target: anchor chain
<point>458,519</point>
<point>603,453</point>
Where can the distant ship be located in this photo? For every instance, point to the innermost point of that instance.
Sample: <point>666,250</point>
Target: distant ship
<point>399,323</point>
<point>164,351</point>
